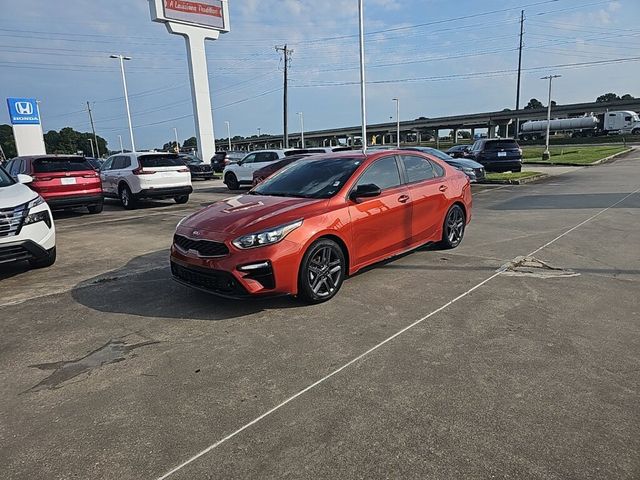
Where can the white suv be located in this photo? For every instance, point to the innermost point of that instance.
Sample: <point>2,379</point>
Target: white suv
<point>26,225</point>
<point>241,173</point>
<point>132,176</point>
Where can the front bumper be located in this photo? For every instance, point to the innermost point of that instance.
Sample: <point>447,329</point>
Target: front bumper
<point>21,250</point>
<point>165,192</point>
<point>75,201</point>
<point>228,277</point>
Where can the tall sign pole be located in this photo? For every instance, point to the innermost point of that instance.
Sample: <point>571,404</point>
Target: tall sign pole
<point>363,88</point>
<point>517,132</point>
<point>197,21</point>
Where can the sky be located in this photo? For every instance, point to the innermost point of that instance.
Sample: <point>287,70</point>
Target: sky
<point>439,57</point>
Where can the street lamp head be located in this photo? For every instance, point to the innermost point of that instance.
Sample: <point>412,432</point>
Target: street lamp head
<point>394,99</point>
<point>114,56</point>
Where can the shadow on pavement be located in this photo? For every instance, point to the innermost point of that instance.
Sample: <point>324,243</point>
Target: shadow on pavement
<point>144,287</point>
<point>569,201</point>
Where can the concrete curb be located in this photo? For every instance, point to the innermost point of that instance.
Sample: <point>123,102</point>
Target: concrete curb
<point>608,159</point>
<point>520,181</point>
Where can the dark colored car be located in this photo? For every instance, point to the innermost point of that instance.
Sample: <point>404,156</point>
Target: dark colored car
<point>64,181</point>
<point>222,159</point>
<point>497,155</point>
<point>270,169</point>
<point>197,167</point>
<point>459,151</point>
<point>470,168</point>
<point>96,163</point>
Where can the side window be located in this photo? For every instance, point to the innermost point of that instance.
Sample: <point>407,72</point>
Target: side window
<point>383,173</point>
<point>108,164</point>
<point>250,158</point>
<point>16,167</point>
<point>126,162</point>
<point>437,170</point>
<point>272,156</point>
<point>9,167</point>
<point>417,168</point>
<point>262,157</point>
<point>117,163</point>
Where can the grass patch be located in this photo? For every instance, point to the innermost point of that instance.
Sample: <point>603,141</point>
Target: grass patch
<point>506,176</point>
<point>570,155</point>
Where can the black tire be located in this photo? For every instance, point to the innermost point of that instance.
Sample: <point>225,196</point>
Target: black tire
<point>45,261</point>
<point>635,131</point>
<point>516,170</point>
<point>93,209</point>
<point>453,227</point>
<point>232,181</point>
<point>127,199</point>
<point>322,272</point>
<point>182,199</point>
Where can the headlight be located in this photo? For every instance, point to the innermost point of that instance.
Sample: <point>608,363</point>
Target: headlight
<point>468,170</point>
<point>266,237</point>
<point>35,202</point>
<point>38,217</point>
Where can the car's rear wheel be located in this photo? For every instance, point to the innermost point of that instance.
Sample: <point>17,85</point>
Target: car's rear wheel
<point>126,198</point>
<point>95,208</point>
<point>516,170</point>
<point>182,199</point>
<point>45,261</point>
<point>232,181</point>
<point>453,228</point>
<point>322,271</point>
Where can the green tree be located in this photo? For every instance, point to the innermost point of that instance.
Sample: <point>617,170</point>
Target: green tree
<point>607,97</point>
<point>190,143</point>
<point>533,103</point>
<point>627,96</point>
<point>7,142</point>
<point>70,141</point>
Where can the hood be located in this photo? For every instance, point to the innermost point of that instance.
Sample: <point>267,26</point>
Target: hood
<point>16,194</point>
<point>251,213</point>
<point>463,162</point>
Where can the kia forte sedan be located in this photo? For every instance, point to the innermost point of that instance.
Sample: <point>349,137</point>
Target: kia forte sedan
<point>306,228</point>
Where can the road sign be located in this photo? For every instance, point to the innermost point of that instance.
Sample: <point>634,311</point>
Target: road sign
<point>23,111</point>
<point>209,14</point>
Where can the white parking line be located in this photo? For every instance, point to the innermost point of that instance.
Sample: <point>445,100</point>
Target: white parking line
<point>376,347</point>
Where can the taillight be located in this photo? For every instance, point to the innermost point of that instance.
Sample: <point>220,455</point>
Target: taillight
<point>140,171</point>
<point>38,178</point>
<point>227,161</point>
<point>90,175</point>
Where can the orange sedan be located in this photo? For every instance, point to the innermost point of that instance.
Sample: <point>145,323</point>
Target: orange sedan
<point>305,229</point>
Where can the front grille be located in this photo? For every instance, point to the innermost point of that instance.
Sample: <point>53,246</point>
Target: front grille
<point>14,253</point>
<point>11,220</point>
<point>205,248</point>
<point>215,281</point>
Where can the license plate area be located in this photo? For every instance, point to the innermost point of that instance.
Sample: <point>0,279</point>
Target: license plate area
<point>502,154</point>
<point>68,181</point>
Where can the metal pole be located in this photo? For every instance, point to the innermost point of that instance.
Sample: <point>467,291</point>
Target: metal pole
<point>259,132</point>
<point>93,152</point>
<point>546,155</point>
<point>517,132</point>
<point>94,130</point>
<point>228,133</point>
<point>363,89</point>
<point>121,147</point>
<point>397,100</point>
<point>126,100</point>
<point>301,127</point>
<point>175,131</point>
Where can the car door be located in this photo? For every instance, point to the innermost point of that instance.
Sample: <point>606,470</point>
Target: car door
<point>105,178</point>
<point>427,187</point>
<point>380,226</point>
<point>244,169</point>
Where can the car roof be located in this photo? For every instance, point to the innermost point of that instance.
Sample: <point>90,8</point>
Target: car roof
<point>56,155</point>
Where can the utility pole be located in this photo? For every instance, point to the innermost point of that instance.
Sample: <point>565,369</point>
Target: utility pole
<point>397,100</point>
<point>363,80</point>
<point>546,155</point>
<point>94,130</point>
<point>517,132</point>
<point>93,153</point>
<point>287,58</point>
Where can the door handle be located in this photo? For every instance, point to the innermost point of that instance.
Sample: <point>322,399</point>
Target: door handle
<point>443,188</point>
<point>403,198</point>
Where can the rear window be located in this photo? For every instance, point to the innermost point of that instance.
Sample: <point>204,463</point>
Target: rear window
<point>154,161</point>
<point>498,144</point>
<point>61,164</point>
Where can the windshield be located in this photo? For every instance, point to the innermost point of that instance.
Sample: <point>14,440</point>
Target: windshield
<point>321,178</point>
<point>61,164</point>
<point>5,179</point>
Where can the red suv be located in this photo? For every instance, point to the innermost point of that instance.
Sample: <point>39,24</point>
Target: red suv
<point>64,181</point>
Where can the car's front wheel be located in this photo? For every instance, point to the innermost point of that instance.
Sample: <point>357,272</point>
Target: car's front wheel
<point>322,271</point>
<point>126,198</point>
<point>232,181</point>
<point>181,199</point>
<point>95,208</point>
<point>453,228</point>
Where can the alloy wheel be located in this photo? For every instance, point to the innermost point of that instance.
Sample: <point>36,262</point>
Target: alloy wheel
<point>455,226</point>
<point>324,272</point>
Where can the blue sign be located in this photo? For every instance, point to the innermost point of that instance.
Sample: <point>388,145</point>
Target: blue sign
<point>23,111</point>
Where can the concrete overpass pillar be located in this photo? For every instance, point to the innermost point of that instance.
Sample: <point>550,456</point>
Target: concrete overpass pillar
<point>437,130</point>
<point>418,137</point>
<point>491,130</point>
<point>473,134</point>
<point>455,136</point>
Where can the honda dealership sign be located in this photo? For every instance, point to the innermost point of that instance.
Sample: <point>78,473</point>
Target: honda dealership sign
<point>196,21</point>
<point>27,131</point>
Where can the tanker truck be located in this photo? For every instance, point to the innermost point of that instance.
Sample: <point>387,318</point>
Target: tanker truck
<point>618,122</point>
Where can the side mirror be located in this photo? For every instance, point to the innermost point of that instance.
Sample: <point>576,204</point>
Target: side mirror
<point>365,191</point>
<point>24,179</point>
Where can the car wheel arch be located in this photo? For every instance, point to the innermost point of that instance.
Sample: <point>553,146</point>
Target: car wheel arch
<point>329,235</point>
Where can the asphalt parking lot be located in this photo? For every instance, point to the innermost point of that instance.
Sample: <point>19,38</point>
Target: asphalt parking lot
<point>439,364</point>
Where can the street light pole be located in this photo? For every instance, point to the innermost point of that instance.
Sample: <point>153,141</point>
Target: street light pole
<point>546,155</point>
<point>93,152</point>
<point>175,131</point>
<point>363,89</point>
<point>229,132</point>
<point>259,132</point>
<point>301,127</point>
<point>121,147</point>
<point>397,100</point>
<point>122,58</point>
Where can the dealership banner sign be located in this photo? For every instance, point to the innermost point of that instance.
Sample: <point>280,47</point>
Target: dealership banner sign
<point>208,14</point>
<point>23,111</point>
